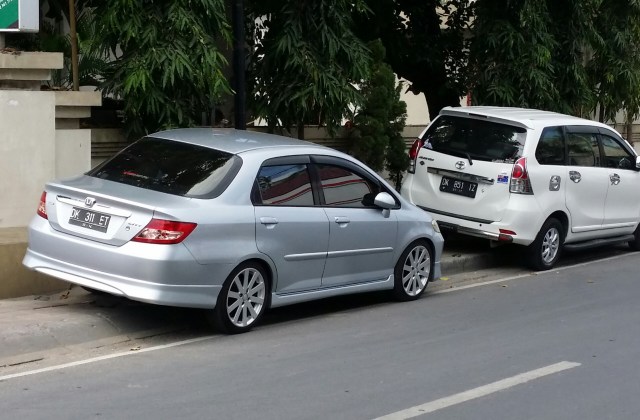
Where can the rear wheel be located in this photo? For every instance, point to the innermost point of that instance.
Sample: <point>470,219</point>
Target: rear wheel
<point>413,271</point>
<point>544,251</point>
<point>242,300</point>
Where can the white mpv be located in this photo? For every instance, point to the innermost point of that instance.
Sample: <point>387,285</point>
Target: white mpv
<point>539,179</point>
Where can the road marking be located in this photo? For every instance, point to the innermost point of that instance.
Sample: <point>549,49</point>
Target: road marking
<point>105,357</point>
<point>481,391</point>
<point>519,276</point>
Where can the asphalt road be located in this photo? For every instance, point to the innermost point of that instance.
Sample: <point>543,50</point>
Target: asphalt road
<point>511,345</point>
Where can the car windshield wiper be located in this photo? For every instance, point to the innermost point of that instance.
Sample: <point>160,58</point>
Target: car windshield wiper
<point>469,157</point>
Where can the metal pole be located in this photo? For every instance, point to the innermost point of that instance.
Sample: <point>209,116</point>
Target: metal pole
<point>239,65</point>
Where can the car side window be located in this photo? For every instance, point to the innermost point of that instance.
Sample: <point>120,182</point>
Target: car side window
<point>284,185</point>
<point>615,155</point>
<point>583,149</point>
<point>550,149</point>
<point>344,188</point>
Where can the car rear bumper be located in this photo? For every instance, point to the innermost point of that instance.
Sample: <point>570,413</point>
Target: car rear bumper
<point>159,274</point>
<point>520,224</point>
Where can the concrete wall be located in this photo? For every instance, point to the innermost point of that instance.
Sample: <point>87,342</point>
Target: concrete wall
<point>27,148</point>
<point>73,152</point>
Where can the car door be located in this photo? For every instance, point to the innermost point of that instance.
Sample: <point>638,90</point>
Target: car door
<point>587,182</point>
<point>622,205</point>
<point>361,235</point>
<point>290,228</point>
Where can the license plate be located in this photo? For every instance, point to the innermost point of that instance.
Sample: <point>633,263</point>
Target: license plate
<point>459,187</point>
<point>89,219</point>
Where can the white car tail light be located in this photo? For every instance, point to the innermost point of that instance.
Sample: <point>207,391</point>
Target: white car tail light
<point>413,154</point>
<point>520,182</point>
<point>160,231</point>
<point>42,207</point>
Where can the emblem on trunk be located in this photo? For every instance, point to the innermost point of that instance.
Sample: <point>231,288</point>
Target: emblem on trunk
<point>89,201</point>
<point>460,164</point>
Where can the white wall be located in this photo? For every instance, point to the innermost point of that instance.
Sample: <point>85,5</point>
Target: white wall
<point>27,150</point>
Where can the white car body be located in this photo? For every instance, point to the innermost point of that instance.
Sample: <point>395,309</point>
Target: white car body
<point>593,192</point>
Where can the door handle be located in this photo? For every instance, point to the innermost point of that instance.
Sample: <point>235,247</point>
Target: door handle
<point>268,220</point>
<point>341,220</point>
<point>614,178</point>
<point>575,176</point>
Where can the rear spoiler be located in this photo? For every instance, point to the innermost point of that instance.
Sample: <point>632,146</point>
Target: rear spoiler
<point>456,112</point>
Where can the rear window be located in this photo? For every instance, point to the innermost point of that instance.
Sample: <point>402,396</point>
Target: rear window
<point>475,139</point>
<point>171,167</point>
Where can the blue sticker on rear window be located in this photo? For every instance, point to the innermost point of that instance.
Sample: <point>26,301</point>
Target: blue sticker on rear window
<point>503,179</point>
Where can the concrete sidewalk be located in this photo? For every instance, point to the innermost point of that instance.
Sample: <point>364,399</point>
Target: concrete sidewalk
<point>35,328</point>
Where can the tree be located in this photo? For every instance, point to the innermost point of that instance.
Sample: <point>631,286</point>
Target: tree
<point>168,64</point>
<point>426,44</point>
<point>563,55</point>
<point>377,125</point>
<point>614,63</point>
<point>305,61</point>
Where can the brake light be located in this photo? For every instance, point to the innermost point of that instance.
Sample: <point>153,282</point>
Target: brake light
<point>520,182</point>
<point>160,231</point>
<point>42,207</point>
<point>413,154</point>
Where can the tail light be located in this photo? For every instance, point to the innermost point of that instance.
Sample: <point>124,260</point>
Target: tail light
<point>520,182</point>
<point>160,231</point>
<point>42,207</point>
<point>413,154</point>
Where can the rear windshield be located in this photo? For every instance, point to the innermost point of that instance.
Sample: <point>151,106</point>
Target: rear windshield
<point>171,167</point>
<point>475,139</point>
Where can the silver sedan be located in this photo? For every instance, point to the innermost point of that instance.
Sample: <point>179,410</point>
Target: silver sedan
<point>234,222</point>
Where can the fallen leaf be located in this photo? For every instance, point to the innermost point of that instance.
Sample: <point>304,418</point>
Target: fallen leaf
<point>136,348</point>
<point>444,278</point>
<point>503,285</point>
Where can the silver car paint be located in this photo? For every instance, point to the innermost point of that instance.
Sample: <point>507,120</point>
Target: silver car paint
<point>192,272</point>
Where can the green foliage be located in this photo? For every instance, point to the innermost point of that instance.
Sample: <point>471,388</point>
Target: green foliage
<point>168,66</point>
<point>572,56</point>
<point>93,58</point>
<point>614,64</point>
<point>426,43</point>
<point>305,61</point>
<point>379,122</point>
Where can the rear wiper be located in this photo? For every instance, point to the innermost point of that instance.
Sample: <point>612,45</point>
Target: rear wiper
<point>469,157</point>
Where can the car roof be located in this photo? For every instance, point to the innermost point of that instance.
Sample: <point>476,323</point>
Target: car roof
<point>525,117</point>
<point>230,140</point>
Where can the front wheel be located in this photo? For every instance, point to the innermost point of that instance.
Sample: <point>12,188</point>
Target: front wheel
<point>635,243</point>
<point>544,251</point>
<point>242,300</point>
<point>413,271</point>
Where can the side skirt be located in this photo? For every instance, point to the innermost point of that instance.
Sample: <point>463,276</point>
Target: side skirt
<point>307,295</point>
<point>575,246</point>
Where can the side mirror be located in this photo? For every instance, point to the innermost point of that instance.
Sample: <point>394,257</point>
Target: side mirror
<point>638,163</point>
<point>385,200</point>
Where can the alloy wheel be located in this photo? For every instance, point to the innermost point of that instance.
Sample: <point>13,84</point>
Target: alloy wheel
<point>550,245</point>
<point>416,270</point>
<point>246,296</point>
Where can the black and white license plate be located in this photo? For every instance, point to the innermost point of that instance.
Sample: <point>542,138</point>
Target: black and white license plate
<point>457,186</point>
<point>89,219</point>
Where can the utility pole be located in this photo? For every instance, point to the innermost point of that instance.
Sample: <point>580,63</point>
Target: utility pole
<point>239,65</point>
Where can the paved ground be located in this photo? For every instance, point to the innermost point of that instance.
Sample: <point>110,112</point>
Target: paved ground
<point>33,328</point>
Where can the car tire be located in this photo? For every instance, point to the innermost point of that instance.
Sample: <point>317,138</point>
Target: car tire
<point>413,271</point>
<point>543,253</point>
<point>635,243</point>
<point>243,299</point>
